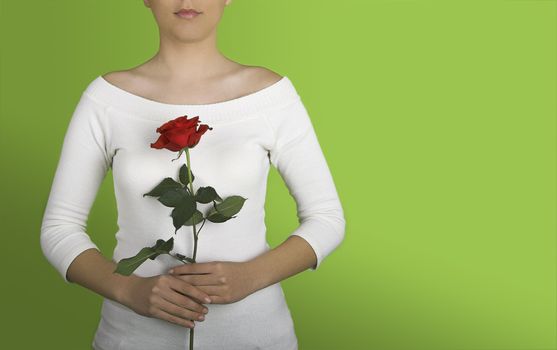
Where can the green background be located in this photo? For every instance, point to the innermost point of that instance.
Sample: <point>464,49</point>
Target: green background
<point>438,121</point>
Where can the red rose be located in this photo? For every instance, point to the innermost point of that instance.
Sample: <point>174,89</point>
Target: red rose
<point>180,133</point>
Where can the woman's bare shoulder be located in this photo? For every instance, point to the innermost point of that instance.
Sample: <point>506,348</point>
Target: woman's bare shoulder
<point>255,78</point>
<point>118,78</point>
<point>263,76</point>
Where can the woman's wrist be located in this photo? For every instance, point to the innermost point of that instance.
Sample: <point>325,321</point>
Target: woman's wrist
<point>123,289</point>
<point>260,277</point>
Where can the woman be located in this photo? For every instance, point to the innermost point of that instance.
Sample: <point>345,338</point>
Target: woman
<point>258,119</point>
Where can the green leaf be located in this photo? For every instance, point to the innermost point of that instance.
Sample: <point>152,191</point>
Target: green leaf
<point>165,185</point>
<point>217,217</point>
<point>231,205</point>
<point>196,218</point>
<point>174,197</point>
<point>224,211</point>
<point>183,212</point>
<point>183,175</point>
<point>206,194</point>
<point>127,266</point>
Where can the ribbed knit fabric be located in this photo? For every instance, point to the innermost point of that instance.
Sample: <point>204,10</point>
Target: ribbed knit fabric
<point>112,128</point>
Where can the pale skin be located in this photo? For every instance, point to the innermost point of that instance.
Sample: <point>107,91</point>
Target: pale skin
<point>189,69</point>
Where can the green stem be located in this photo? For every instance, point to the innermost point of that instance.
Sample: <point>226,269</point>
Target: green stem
<point>177,258</point>
<point>194,231</point>
<point>195,236</point>
<point>183,260</point>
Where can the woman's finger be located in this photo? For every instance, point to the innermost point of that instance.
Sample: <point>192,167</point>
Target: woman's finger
<point>178,311</point>
<point>201,280</point>
<point>173,319</point>
<point>183,301</point>
<point>219,294</point>
<point>189,290</point>
<point>195,268</point>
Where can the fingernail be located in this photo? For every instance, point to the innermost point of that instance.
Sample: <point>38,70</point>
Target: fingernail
<point>171,271</point>
<point>208,300</point>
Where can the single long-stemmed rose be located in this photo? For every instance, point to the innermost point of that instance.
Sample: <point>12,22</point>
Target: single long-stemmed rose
<point>180,135</point>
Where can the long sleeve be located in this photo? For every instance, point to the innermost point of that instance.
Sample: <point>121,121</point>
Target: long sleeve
<point>300,161</point>
<point>82,166</point>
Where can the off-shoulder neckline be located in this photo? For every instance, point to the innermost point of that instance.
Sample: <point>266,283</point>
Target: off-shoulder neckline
<point>236,100</point>
<point>272,96</point>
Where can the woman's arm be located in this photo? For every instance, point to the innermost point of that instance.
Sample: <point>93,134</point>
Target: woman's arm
<point>93,271</point>
<point>291,257</point>
<point>84,160</point>
<point>299,159</point>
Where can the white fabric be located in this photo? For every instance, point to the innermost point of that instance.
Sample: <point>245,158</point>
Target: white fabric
<point>112,128</point>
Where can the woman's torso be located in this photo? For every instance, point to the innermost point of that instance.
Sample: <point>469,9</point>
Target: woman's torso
<point>232,158</point>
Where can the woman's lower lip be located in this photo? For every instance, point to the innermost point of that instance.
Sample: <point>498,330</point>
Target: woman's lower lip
<point>187,15</point>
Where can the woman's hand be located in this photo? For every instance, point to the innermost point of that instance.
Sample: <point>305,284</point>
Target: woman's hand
<point>225,281</point>
<point>166,297</point>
